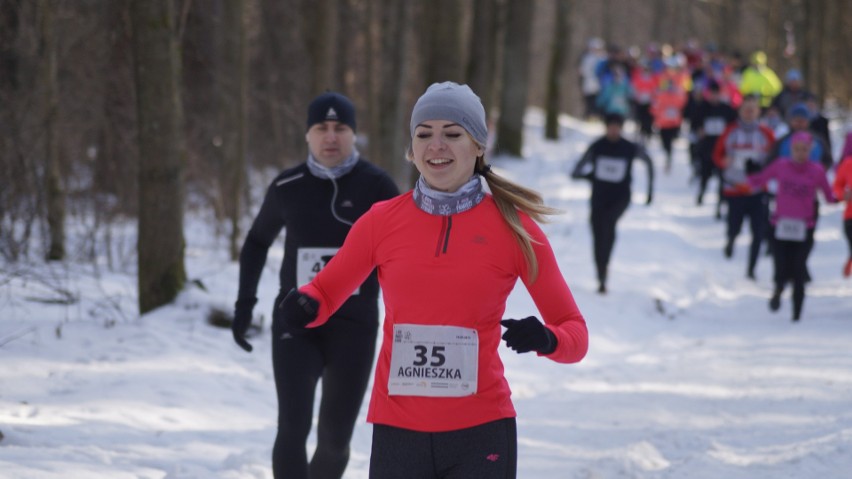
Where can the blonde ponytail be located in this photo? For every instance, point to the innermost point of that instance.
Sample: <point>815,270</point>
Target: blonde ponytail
<point>511,197</point>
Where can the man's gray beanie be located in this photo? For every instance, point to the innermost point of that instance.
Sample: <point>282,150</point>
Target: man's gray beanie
<point>452,102</point>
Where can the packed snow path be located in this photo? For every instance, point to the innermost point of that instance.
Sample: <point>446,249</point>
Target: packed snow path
<point>688,374</point>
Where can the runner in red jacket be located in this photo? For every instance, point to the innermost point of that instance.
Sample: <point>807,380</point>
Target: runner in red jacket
<point>667,110</point>
<point>742,150</point>
<point>448,255</point>
<point>843,191</point>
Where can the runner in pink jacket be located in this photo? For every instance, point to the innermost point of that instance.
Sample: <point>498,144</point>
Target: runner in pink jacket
<point>793,221</point>
<point>448,255</point>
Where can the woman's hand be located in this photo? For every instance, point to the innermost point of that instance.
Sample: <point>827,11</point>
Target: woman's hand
<point>298,309</point>
<point>528,334</point>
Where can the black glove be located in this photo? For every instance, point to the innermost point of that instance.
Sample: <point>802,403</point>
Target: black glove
<point>298,309</point>
<point>528,334</point>
<point>242,321</point>
<point>751,166</point>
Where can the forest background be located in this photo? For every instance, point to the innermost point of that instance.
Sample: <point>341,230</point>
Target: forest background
<point>139,111</point>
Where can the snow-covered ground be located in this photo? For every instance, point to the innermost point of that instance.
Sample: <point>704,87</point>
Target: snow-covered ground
<point>688,373</point>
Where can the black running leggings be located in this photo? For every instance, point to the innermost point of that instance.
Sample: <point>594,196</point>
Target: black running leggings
<point>667,137</point>
<point>341,353</point>
<point>706,171</point>
<point>847,228</point>
<point>604,216</point>
<point>791,259</point>
<point>487,451</point>
<point>754,207</point>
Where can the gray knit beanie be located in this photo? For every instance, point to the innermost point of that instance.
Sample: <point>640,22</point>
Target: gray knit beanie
<point>452,102</point>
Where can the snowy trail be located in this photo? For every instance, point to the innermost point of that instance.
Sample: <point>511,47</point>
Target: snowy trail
<point>688,374</point>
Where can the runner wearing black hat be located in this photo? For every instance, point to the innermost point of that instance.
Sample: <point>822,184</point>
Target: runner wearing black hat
<point>317,202</point>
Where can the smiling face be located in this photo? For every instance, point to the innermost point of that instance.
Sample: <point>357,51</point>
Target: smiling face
<point>444,153</point>
<point>330,142</point>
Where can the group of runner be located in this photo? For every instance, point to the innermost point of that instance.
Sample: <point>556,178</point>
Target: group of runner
<point>764,139</point>
<point>448,253</point>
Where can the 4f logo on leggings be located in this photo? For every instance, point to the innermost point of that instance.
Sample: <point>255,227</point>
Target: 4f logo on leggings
<point>437,361</point>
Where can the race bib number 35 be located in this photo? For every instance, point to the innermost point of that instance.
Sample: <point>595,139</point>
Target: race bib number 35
<point>311,261</point>
<point>436,361</point>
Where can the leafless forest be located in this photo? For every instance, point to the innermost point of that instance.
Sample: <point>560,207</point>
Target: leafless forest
<point>139,110</point>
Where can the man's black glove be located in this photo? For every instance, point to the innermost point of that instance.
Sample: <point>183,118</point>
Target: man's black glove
<point>528,334</point>
<point>298,309</point>
<point>752,166</point>
<point>242,321</point>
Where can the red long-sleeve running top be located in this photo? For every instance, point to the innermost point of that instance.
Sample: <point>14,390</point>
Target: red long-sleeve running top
<point>448,270</point>
<point>843,183</point>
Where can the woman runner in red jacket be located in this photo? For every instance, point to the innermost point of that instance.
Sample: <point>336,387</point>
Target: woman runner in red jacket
<point>448,254</point>
<point>843,191</point>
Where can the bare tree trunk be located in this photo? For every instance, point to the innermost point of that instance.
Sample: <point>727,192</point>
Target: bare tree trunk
<point>161,154</point>
<point>484,40</point>
<point>727,25</point>
<point>561,38</point>
<point>373,76</point>
<point>21,183</point>
<point>843,29</point>
<point>9,27</point>
<point>232,94</point>
<point>116,161</point>
<point>823,45</point>
<point>322,44</point>
<point>658,19</point>
<point>813,56</point>
<point>287,86</point>
<point>689,19</point>
<point>442,32</point>
<point>775,34</point>
<point>607,19</point>
<point>513,99</point>
<point>54,191</point>
<point>388,134</point>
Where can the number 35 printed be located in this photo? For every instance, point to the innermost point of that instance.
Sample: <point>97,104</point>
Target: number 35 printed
<point>438,358</point>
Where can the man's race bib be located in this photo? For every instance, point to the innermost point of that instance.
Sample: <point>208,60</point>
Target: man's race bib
<point>435,361</point>
<point>734,176</point>
<point>714,126</point>
<point>610,169</point>
<point>310,261</point>
<point>791,229</point>
<point>736,172</point>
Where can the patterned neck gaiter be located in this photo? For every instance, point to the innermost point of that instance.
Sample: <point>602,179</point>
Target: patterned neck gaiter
<point>325,173</point>
<point>446,204</point>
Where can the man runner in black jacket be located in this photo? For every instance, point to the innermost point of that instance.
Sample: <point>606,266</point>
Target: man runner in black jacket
<point>317,202</point>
